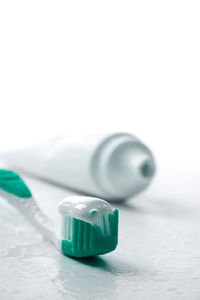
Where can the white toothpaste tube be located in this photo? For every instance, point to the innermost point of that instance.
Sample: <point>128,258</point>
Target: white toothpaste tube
<point>113,167</point>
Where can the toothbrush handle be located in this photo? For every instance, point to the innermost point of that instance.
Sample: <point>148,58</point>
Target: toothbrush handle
<point>31,211</point>
<point>33,214</point>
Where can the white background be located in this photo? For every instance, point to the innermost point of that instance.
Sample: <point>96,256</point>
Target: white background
<point>70,67</point>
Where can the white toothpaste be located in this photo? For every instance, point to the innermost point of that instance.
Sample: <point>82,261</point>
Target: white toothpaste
<point>91,210</point>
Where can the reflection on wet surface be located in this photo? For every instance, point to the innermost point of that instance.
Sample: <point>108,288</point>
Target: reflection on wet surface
<point>158,255</point>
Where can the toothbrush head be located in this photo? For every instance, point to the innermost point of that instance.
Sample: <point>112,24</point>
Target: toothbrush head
<point>89,226</point>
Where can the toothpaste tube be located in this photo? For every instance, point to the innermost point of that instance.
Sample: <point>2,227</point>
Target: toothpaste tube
<point>113,167</point>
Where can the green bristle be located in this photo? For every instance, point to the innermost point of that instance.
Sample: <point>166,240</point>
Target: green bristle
<point>87,239</point>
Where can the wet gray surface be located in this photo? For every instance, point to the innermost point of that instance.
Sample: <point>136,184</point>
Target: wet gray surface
<point>158,256</point>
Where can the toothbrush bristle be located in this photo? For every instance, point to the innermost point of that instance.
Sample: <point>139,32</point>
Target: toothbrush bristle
<point>88,240</point>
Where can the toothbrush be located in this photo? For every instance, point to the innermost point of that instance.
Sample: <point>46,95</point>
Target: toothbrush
<point>88,225</point>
